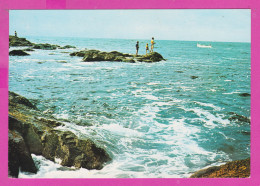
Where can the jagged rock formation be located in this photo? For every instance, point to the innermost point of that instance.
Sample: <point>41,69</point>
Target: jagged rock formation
<point>32,132</point>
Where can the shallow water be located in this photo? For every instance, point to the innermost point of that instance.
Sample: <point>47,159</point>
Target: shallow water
<point>165,119</point>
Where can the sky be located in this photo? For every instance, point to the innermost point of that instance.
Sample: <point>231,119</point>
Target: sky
<point>227,25</point>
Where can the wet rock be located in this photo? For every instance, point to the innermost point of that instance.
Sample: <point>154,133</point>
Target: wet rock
<point>194,77</point>
<point>17,41</point>
<point>151,57</point>
<point>18,53</point>
<point>238,117</point>
<point>28,49</point>
<point>45,46</point>
<point>245,95</point>
<point>40,137</point>
<point>19,157</point>
<point>67,46</point>
<point>62,62</point>
<point>16,99</point>
<point>233,169</point>
<point>96,55</point>
<point>73,151</point>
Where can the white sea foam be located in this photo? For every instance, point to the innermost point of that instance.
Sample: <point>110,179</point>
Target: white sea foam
<point>208,105</point>
<point>235,92</point>
<point>208,118</point>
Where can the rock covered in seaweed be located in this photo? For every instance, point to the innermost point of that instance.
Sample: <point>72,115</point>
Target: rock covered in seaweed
<point>41,138</point>
<point>96,55</point>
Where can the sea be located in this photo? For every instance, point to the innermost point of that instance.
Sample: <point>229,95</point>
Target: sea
<point>156,120</point>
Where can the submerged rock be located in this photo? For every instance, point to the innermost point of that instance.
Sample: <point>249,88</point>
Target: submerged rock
<point>40,137</point>
<point>28,49</point>
<point>67,46</point>
<point>194,77</point>
<point>96,55</point>
<point>17,41</point>
<point>245,95</point>
<point>233,169</point>
<point>239,118</point>
<point>18,53</point>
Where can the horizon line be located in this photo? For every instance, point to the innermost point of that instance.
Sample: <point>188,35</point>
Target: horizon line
<point>138,39</point>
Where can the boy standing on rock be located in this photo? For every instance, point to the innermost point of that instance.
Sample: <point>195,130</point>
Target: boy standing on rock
<point>146,48</point>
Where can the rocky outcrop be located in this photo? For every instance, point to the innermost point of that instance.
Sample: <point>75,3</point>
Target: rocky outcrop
<point>17,41</point>
<point>96,55</point>
<point>233,169</point>
<point>18,53</point>
<point>38,135</point>
<point>45,46</point>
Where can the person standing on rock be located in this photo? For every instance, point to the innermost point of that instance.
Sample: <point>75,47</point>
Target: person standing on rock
<point>146,48</point>
<point>15,33</point>
<point>152,44</point>
<point>137,47</point>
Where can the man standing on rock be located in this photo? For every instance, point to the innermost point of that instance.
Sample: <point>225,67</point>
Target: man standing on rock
<point>137,47</point>
<point>15,33</point>
<point>152,44</point>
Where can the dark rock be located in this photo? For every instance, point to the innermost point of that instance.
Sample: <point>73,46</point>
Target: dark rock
<point>96,55</point>
<point>233,169</point>
<point>18,53</point>
<point>238,117</point>
<point>17,41</point>
<point>244,94</point>
<point>194,77</point>
<point>151,57</point>
<point>45,46</point>
<point>17,99</point>
<point>67,46</point>
<point>73,151</point>
<point>19,157</point>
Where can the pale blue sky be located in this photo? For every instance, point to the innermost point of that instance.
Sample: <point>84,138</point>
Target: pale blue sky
<point>194,25</point>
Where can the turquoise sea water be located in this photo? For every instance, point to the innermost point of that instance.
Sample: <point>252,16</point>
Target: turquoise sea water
<point>165,119</point>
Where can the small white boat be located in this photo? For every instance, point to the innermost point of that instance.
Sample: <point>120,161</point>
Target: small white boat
<point>203,46</point>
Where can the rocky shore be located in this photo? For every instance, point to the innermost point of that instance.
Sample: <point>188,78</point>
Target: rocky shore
<point>31,131</point>
<point>233,169</point>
